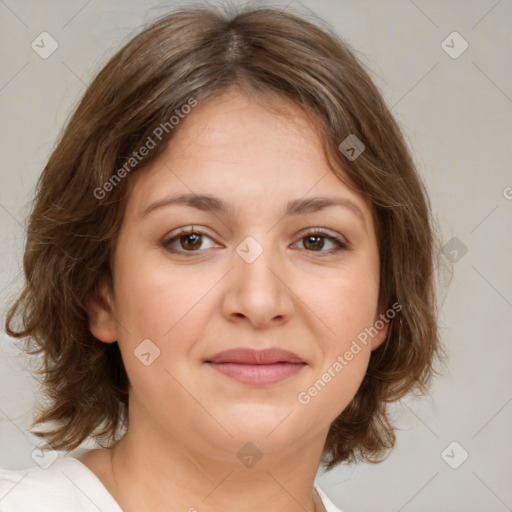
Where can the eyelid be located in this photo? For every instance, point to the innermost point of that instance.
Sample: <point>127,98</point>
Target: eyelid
<point>186,230</point>
<point>341,243</point>
<point>326,233</point>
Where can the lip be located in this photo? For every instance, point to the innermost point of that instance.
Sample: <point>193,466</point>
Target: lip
<point>257,367</point>
<point>252,356</point>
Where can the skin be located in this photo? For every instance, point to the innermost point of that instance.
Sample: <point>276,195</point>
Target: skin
<point>187,422</point>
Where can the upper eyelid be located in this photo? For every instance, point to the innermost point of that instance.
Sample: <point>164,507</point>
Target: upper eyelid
<point>199,230</point>
<point>324,232</point>
<point>187,230</point>
<point>320,231</point>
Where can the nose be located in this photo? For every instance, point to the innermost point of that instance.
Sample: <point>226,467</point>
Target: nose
<point>258,292</point>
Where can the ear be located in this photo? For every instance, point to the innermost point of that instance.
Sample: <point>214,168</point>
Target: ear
<point>101,313</point>
<point>381,323</point>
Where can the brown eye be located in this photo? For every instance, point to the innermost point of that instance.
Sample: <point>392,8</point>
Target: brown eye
<point>321,242</point>
<point>314,242</point>
<point>190,241</point>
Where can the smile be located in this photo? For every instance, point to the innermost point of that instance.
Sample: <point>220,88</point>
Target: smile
<point>257,367</point>
<point>258,374</point>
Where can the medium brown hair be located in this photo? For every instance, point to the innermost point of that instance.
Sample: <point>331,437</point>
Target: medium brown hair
<point>196,53</point>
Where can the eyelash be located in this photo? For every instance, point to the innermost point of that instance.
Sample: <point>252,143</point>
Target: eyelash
<point>190,230</point>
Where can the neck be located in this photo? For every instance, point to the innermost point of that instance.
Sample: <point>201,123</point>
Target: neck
<point>147,475</point>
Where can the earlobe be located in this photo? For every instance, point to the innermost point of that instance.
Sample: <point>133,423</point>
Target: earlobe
<point>100,313</point>
<point>382,326</point>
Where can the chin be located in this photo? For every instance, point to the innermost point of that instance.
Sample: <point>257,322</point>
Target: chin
<point>270,427</point>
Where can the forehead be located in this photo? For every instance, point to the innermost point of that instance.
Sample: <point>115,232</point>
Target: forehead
<point>232,125</point>
<point>235,147</point>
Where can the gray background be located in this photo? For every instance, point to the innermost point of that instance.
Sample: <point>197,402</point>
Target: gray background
<point>456,114</point>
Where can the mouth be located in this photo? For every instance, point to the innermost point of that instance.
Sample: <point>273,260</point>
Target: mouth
<point>257,367</point>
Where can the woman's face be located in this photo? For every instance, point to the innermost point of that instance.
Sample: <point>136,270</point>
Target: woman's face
<point>279,254</point>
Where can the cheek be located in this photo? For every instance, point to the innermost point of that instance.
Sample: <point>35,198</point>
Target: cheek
<point>164,307</point>
<point>342,367</point>
<point>153,298</point>
<point>344,304</point>
<point>344,308</point>
<point>332,392</point>
<point>167,305</point>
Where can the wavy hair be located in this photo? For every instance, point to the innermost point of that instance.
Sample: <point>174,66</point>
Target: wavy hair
<point>196,53</point>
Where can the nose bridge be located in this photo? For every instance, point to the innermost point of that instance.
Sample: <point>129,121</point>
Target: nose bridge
<point>256,291</point>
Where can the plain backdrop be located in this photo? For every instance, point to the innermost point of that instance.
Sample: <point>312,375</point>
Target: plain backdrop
<point>455,108</point>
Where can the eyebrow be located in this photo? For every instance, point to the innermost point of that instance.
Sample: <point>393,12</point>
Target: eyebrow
<point>216,205</point>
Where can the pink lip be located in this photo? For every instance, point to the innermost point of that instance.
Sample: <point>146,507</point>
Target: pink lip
<point>257,367</point>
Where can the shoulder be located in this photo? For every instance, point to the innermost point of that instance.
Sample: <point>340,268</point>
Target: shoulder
<point>65,486</point>
<point>36,488</point>
<point>328,504</point>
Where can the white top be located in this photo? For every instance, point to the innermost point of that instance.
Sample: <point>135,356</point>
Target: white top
<point>67,485</point>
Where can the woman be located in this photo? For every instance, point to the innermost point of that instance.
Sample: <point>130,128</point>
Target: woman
<point>229,273</point>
